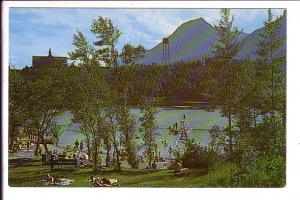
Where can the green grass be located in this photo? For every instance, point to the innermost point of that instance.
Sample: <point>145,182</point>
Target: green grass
<point>216,177</point>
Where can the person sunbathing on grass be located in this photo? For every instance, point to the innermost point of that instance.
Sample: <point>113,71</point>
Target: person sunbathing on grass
<point>103,182</point>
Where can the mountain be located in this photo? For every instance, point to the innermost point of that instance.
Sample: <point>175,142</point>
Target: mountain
<point>192,40</point>
<point>195,39</point>
<point>249,44</point>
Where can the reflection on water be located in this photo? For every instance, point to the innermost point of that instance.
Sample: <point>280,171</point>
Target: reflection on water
<point>198,119</point>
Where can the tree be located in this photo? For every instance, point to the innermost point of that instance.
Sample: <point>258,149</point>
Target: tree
<point>17,116</point>
<point>127,127</point>
<point>261,147</point>
<point>43,97</point>
<point>111,112</point>
<point>148,129</point>
<point>225,51</point>
<point>107,35</point>
<point>89,109</point>
<point>84,52</point>
<point>107,140</point>
<point>88,106</point>
<point>130,54</point>
<point>269,66</point>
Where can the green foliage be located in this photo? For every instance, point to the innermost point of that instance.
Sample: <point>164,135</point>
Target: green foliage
<point>216,138</point>
<point>261,158</point>
<point>84,53</point>
<point>130,54</point>
<point>107,35</point>
<point>269,67</point>
<point>126,123</point>
<point>17,115</point>
<point>196,156</point>
<point>251,94</point>
<point>148,129</point>
<point>260,150</point>
<point>225,51</point>
<point>40,98</point>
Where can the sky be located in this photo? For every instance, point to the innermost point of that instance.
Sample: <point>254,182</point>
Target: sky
<point>32,31</point>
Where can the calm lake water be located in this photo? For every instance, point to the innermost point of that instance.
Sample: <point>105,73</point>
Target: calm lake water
<point>198,119</point>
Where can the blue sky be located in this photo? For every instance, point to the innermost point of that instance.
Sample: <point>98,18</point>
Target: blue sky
<point>32,31</point>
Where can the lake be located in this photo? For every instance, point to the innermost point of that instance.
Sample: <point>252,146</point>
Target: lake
<point>198,119</point>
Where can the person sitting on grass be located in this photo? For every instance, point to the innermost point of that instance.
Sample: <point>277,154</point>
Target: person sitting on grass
<point>49,179</point>
<point>57,179</point>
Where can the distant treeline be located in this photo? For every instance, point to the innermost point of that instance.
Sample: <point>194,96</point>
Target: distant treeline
<point>251,95</point>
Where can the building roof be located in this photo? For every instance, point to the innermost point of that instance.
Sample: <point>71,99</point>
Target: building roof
<point>42,60</point>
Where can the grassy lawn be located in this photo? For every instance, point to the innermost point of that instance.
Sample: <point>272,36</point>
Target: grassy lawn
<point>201,120</point>
<point>31,175</point>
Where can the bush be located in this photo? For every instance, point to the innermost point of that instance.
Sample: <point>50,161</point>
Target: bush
<point>262,170</point>
<point>132,158</point>
<point>261,157</point>
<point>196,156</point>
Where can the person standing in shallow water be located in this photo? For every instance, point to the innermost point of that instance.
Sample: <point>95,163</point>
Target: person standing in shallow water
<point>81,145</point>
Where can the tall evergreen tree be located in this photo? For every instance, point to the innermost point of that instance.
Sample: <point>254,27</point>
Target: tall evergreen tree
<point>270,66</point>
<point>225,51</point>
<point>262,146</point>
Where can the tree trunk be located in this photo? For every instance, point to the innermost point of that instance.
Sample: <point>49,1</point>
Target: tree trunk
<point>46,147</point>
<point>117,154</point>
<point>107,160</point>
<point>88,146</point>
<point>116,150</point>
<point>11,145</point>
<point>150,157</point>
<point>37,146</point>
<point>254,115</point>
<point>229,110</point>
<point>95,156</point>
<point>44,144</point>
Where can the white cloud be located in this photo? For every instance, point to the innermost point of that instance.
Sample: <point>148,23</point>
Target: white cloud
<point>160,22</point>
<point>145,26</point>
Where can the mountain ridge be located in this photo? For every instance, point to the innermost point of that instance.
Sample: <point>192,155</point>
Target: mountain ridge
<point>195,39</point>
